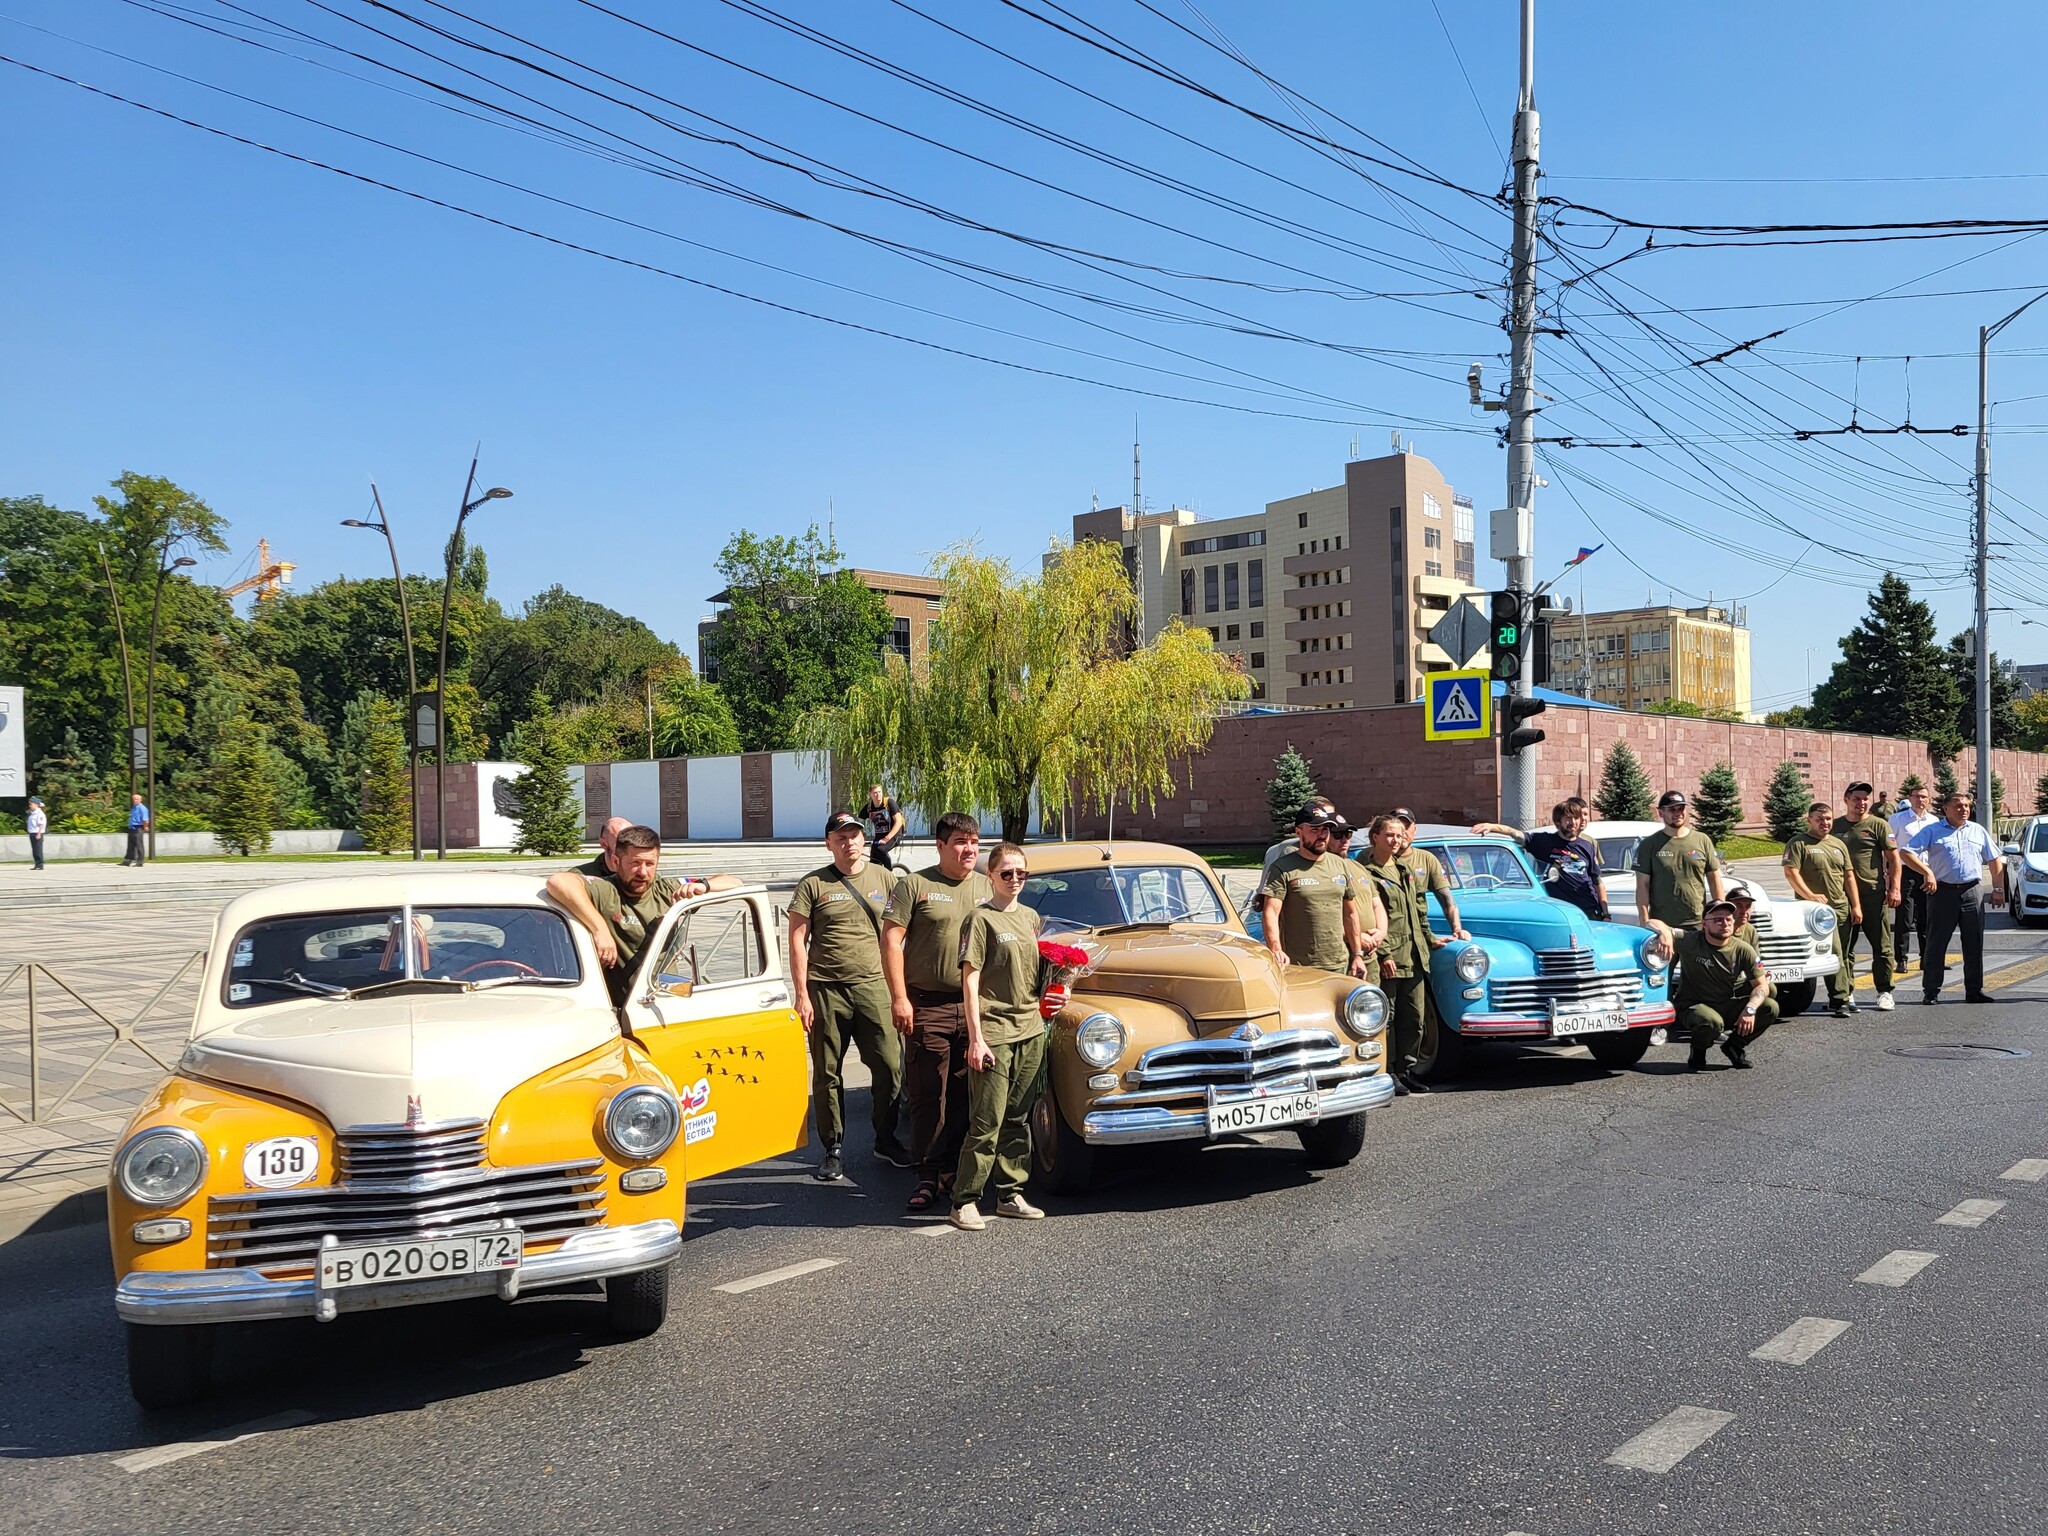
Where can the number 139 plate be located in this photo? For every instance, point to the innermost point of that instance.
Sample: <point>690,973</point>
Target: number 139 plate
<point>427,1258</point>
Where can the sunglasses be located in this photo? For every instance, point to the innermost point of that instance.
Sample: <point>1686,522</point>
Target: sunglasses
<point>1013,874</point>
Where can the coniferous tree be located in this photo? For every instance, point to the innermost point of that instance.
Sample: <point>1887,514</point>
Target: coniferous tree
<point>2005,689</point>
<point>1718,806</point>
<point>242,789</point>
<point>1997,797</point>
<point>1909,783</point>
<point>1893,679</point>
<point>1785,802</point>
<point>550,820</point>
<point>2041,795</point>
<point>386,815</point>
<point>1624,793</point>
<point>1944,779</point>
<point>1291,787</point>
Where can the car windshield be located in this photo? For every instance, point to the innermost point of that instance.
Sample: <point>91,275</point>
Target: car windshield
<point>1483,866</point>
<point>331,954</point>
<point>2038,842</point>
<point>1105,895</point>
<point>1617,854</point>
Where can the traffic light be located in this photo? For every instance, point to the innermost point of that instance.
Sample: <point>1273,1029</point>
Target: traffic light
<point>1541,620</point>
<point>1515,737</point>
<point>1509,637</point>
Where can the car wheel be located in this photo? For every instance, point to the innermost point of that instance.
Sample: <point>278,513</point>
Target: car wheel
<point>636,1305</point>
<point>1619,1048</point>
<point>1795,997</point>
<point>1061,1162</point>
<point>1444,1055</point>
<point>169,1365</point>
<point>1333,1143</point>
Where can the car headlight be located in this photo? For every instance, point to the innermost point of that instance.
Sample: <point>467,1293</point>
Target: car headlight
<point>1654,959</point>
<point>1473,964</point>
<point>641,1122</point>
<point>161,1167</point>
<point>1365,1010</point>
<point>2035,876</point>
<point>1820,922</point>
<point>1100,1039</point>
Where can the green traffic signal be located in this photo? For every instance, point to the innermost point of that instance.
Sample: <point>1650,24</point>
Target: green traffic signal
<point>1508,637</point>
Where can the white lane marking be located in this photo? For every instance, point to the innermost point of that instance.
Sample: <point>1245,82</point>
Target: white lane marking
<point>1802,1341</point>
<point>1896,1267</point>
<point>163,1455</point>
<point>2028,1170</point>
<point>774,1276</point>
<point>1971,1213</point>
<point>1670,1440</point>
<point>934,1228</point>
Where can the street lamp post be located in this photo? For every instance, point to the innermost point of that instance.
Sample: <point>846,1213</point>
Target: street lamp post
<point>469,505</point>
<point>412,676</point>
<point>149,690</point>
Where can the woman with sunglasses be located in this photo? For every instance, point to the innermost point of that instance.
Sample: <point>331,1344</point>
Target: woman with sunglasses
<point>1001,979</point>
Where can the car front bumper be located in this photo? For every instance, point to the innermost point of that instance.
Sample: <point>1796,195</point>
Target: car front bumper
<point>1536,1026</point>
<point>245,1295</point>
<point>1157,1122</point>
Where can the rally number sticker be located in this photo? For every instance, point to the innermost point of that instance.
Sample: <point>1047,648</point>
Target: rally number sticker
<point>282,1162</point>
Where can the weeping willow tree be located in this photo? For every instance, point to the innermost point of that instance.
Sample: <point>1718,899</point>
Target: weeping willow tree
<point>1032,687</point>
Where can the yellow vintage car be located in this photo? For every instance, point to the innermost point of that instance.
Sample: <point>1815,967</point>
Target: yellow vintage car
<point>404,1089</point>
<point>1183,1028</point>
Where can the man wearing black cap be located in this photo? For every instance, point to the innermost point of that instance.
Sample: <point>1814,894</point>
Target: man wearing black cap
<point>1316,907</point>
<point>1677,873</point>
<point>1721,987</point>
<point>1874,856</point>
<point>835,964</point>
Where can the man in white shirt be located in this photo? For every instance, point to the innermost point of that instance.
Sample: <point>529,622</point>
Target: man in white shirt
<point>1911,918</point>
<point>38,824</point>
<point>1958,859</point>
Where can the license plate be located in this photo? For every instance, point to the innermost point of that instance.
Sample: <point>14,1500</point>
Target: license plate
<point>426,1258</point>
<point>1588,1023</point>
<point>1264,1114</point>
<point>1785,973</point>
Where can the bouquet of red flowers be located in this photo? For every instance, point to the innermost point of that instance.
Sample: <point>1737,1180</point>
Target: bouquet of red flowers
<point>1065,961</point>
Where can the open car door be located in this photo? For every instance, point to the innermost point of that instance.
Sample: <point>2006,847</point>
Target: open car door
<point>712,1005</point>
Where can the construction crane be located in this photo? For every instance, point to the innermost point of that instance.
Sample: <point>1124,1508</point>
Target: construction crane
<point>271,578</point>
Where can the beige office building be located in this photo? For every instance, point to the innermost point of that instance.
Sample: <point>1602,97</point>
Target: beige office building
<point>1642,656</point>
<point>1327,598</point>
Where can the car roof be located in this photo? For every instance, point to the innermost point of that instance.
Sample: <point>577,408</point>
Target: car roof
<point>1055,858</point>
<point>438,888</point>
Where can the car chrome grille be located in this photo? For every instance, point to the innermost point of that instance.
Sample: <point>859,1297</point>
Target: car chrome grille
<point>1783,949</point>
<point>1565,962</point>
<point>394,1183</point>
<point>1286,1059</point>
<point>1589,989</point>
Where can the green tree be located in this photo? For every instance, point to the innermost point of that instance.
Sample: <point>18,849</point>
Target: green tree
<point>1794,719</point>
<point>1624,793</point>
<point>1033,691</point>
<point>1944,778</point>
<point>1785,802</point>
<point>2041,795</point>
<point>2005,689</point>
<point>1997,796</point>
<point>70,781</point>
<point>2030,723</point>
<point>244,796</point>
<point>1909,783</point>
<point>1686,708</point>
<point>577,652</point>
<point>1893,679</point>
<point>1717,808</point>
<point>549,818</point>
<point>692,718</point>
<point>386,815</point>
<point>1292,786</point>
<point>794,636</point>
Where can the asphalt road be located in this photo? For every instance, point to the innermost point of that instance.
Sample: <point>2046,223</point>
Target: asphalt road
<point>1523,1300</point>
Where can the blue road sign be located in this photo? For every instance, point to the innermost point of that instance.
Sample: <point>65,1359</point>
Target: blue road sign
<point>1459,706</point>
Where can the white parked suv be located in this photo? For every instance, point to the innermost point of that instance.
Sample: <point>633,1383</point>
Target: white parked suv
<point>2026,872</point>
<point>1797,938</point>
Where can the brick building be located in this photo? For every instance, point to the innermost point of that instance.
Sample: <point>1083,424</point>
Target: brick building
<point>914,603</point>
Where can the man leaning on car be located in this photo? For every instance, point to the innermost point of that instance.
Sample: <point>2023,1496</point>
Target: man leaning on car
<point>622,908</point>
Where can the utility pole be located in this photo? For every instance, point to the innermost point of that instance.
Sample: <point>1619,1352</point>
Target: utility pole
<point>1518,773</point>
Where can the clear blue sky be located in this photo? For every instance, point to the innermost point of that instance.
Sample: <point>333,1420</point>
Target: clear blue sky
<point>272,335</point>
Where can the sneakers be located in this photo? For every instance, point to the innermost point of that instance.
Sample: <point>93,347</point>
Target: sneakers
<point>895,1153</point>
<point>968,1219</point>
<point>1738,1056</point>
<point>1017,1207</point>
<point>1411,1082</point>
<point>1884,1002</point>
<point>1841,1008</point>
<point>832,1167</point>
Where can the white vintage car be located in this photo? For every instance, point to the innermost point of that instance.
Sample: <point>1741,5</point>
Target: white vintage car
<point>1797,938</point>
<point>2026,872</point>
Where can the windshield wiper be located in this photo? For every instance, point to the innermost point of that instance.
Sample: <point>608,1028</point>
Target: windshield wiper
<point>406,981</point>
<point>518,981</point>
<point>292,981</point>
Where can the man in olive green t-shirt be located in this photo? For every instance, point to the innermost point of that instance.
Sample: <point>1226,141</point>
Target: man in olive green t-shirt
<point>1874,856</point>
<point>1818,867</point>
<point>1677,873</point>
<point>1721,986</point>
<point>921,936</point>
<point>1310,904</point>
<point>621,909</point>
<point>835,964</point>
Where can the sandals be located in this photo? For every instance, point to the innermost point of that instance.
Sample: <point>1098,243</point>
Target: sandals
<point>924,1197</point>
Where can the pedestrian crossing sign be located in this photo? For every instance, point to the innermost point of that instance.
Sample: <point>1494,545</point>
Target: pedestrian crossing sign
<point>1459,705</point>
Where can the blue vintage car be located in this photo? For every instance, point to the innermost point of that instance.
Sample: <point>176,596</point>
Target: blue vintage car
<point>1536,968</point>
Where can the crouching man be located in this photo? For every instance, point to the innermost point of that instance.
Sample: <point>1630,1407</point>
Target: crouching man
<point>1722,988</point>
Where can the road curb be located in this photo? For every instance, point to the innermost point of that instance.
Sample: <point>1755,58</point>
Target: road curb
<point>80,1208</point>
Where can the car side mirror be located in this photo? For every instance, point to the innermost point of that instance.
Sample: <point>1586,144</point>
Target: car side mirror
<point>2012,850</point>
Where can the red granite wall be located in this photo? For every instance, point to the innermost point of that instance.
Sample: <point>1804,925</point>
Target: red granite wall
<point>757,795</point>
<point>675,797</point>
<point>459,790</point>
<point>597,799</point>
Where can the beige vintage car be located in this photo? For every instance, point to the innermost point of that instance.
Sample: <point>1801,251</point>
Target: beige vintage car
<point>1184,1028</point>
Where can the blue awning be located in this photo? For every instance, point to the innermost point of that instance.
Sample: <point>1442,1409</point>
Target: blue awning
<point>1552,696</point>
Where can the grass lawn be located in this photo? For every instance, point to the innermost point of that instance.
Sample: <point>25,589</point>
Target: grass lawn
<point>1235,856</point>
<point>1741,846</point>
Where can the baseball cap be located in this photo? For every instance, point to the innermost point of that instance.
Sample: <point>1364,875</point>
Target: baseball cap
<point>1860,787</point>
<point>839,821</point>
<point>1317,816</point>
<point>1738,891</point>
<point>1718,906</point>
<point>35,799</point>
<point>1670,797</point>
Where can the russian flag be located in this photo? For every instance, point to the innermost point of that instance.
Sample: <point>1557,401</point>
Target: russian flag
<point>1584,555</point>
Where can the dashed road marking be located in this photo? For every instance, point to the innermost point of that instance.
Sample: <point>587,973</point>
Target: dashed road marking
<point>1971,1213</point>
<point>2028,1170</point>
<point>775,1276</point>
<point>1896,1267</point>
<point>1802,1341</point>
<point>163,1455</point>
<point>934,1228</point>
<point>1671,1439</point>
